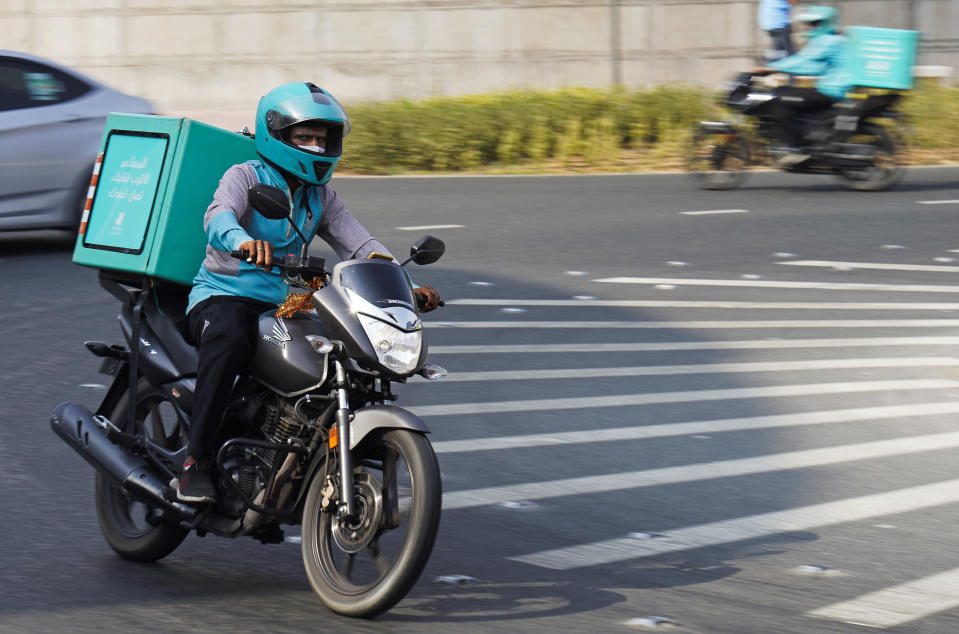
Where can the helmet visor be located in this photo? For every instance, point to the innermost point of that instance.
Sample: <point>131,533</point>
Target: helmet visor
<point>313,106</point>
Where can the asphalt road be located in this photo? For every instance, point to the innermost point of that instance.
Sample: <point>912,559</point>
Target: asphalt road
<point>740,421</point>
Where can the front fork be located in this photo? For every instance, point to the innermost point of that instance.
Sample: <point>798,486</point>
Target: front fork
<point>343,427</point>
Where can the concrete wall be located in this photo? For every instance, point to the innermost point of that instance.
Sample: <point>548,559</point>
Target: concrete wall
<point>213,59</point>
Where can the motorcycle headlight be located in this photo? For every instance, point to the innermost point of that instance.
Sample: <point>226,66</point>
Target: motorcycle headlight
<point>397,350</point>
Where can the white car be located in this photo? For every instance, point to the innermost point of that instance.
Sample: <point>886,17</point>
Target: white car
<point>51,124</point>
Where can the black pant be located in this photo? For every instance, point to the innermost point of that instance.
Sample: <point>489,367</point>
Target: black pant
<point>788,102</point>
<point>224,330</point>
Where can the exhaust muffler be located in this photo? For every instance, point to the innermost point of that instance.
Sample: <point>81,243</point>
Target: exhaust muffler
<point>75,424</point>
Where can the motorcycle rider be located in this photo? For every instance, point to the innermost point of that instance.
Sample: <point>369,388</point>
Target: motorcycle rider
<point>823,56</point>
<point>299,133</point>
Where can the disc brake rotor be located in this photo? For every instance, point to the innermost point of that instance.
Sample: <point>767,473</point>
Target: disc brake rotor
<point>353,534</point>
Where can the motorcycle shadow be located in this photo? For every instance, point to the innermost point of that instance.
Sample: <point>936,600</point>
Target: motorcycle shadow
<point>472,600</point>
<point>916,179</point>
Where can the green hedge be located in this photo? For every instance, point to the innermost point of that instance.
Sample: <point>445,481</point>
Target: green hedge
<point>576,128</point>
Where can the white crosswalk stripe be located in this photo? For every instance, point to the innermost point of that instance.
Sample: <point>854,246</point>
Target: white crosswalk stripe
<point>750,527</point>
<point>899,604</point>
<point>705,368</point>
<point>861,414</point>
<point>658,346</point>
<point>693,325</point>
<point>688,304</point>
<point>701,471</point>
<point>622,400</point>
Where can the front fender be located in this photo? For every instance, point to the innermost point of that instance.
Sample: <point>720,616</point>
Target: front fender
<point>367,419</point>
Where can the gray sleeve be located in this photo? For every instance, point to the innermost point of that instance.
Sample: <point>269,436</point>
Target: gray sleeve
<point>343,232</point>
<point>227,218</point>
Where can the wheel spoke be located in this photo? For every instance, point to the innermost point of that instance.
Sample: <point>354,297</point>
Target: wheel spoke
<point>381,563</point>
<point>348,568</point>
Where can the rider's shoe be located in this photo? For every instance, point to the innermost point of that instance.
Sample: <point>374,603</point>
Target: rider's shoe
<point>790,159</point>
<point>194,485</point>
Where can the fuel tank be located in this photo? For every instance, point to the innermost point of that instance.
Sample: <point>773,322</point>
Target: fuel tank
<point>284,360</point>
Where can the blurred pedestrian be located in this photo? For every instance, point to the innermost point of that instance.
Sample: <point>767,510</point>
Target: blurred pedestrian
<point>774,19</point>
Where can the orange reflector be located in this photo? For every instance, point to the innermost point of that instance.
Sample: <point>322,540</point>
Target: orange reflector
<point>334,436</point>
<point>85,216</point>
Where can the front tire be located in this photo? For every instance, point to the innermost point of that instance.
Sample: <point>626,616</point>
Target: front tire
<point>717,160</point>
<point>364,566</point>
<point>123,521</point>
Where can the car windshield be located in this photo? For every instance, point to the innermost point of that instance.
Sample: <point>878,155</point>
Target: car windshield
<point>381,283</point>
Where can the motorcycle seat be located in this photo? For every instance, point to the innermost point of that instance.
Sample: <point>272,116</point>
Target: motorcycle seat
<point>164,320</point>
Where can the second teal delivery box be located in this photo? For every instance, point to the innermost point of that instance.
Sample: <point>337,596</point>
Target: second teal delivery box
<point>156,178</point>
<point>882,58</point>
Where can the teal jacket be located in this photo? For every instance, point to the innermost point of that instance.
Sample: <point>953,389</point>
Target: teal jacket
<point>824,56</point>
<point>229,221</point>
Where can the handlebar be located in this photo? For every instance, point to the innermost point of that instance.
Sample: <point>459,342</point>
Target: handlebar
<point>291,264</point>
<point>421,301</point>
<point>310,266</point>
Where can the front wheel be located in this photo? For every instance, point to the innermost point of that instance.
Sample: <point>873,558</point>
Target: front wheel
<point>717,159</point>
<point>362,566</point>
<point>125,523</point>
<point>885,170</point>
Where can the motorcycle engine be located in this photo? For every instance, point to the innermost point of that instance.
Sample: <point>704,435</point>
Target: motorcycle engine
<point>247,469</point>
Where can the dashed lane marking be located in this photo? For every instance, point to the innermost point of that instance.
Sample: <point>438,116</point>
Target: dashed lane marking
<point>820,286</point>
<point>429,227</point>
<point>874,265</point>
<point>714,211</point>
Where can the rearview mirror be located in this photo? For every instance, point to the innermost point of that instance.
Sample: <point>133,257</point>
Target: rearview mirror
<point>269,201</point>
<point>427,250</point>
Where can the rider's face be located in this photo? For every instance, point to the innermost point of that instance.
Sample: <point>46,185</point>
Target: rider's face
<point>309,136</point>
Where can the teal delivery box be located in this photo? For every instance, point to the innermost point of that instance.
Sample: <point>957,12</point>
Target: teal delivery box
<point>882,58</point>
<point>156,178</point>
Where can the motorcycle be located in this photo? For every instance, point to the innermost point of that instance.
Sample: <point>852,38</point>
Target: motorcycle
<point>310,436</point>
<point>846,140</point>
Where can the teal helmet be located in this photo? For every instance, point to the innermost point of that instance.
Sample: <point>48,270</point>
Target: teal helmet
<point>819,19</point>
<point>298,103</point>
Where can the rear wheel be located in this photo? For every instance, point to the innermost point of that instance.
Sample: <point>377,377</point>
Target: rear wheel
<point>717,160</point>
<point>363,566</point>
<point>885,170</point>
<point>123,521</point>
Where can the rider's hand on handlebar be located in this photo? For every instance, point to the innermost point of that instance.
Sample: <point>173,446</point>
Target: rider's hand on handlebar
<point>427,298</point>
<point>259,253</point>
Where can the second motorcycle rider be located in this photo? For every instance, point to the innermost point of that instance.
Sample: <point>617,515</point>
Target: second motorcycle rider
<point>299,135</point>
